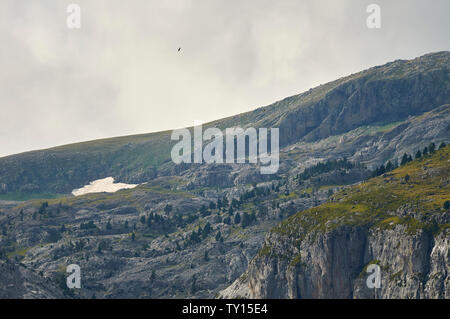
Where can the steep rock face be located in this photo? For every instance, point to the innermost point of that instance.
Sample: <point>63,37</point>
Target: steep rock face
<point>412,266</point>
<point>17,282</point>
<point>325,258</point>
<point>396,221</point>
<point>393,92</point>
<point>333,266</point>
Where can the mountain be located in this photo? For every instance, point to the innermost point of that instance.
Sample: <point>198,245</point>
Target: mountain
<point>385,94</point>
<point>18,282</point>
<point>191,230</point>
<point>399,221</point>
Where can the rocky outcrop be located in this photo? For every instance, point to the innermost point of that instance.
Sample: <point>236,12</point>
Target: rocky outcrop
<point>150,241</point>
<point>396,221</point>
<point>17,282</point>
<point>333,265</point>
<point>393,91</point>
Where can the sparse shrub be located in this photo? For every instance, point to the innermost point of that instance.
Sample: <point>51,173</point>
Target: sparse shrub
<point>227,220</point>
<point>405,159</point>
<point>218,236</point>
<point>237,218</point>
<point>447,205</point>
<point>168,208</point>
<point>431,148</point>
<point>407,177</point>
<point>89,225</point>
<point>206,230</point>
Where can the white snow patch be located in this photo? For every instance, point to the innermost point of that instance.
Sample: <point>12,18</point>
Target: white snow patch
<point>102,185</point>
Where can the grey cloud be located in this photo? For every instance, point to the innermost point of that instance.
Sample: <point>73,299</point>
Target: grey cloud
<point>121,72</point>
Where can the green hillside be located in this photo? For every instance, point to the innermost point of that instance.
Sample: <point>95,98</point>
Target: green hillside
<point>421,186</point>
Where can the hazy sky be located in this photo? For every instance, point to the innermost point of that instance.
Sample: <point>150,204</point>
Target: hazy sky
<point>121,72</point>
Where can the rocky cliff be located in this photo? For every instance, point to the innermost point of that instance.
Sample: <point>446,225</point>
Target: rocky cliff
<point>18,282</point>
<point>189,231</point>
<point>398,221</point>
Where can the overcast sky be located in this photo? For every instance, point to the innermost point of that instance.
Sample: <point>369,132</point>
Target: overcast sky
<point>121,72</point>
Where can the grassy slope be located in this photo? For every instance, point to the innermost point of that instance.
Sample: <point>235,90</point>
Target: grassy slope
<point>374,202</point>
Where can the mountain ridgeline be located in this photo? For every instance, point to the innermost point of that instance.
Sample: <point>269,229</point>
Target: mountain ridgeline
<point>363,179</point>
<point>385,94</point>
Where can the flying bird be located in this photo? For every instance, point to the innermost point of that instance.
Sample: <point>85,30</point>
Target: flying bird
<point>179,49</point>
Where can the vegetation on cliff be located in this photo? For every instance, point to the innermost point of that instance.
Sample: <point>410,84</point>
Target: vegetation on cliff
<point>420,186</point>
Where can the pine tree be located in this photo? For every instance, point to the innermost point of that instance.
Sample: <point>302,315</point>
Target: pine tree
<point>225,202</point>
<point>206,230</point>
<point>404,159</point>
<point>218,236</point>
<point>227,220</point>
<point>245,220</point>
<point>168,208</point>
<point>195,238</point>
<point>395,163</point>
<point>418,154</point>
<point>447,205</point>
<point>237,218</point>
<point>431,148</point>
<point>389,166</point>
